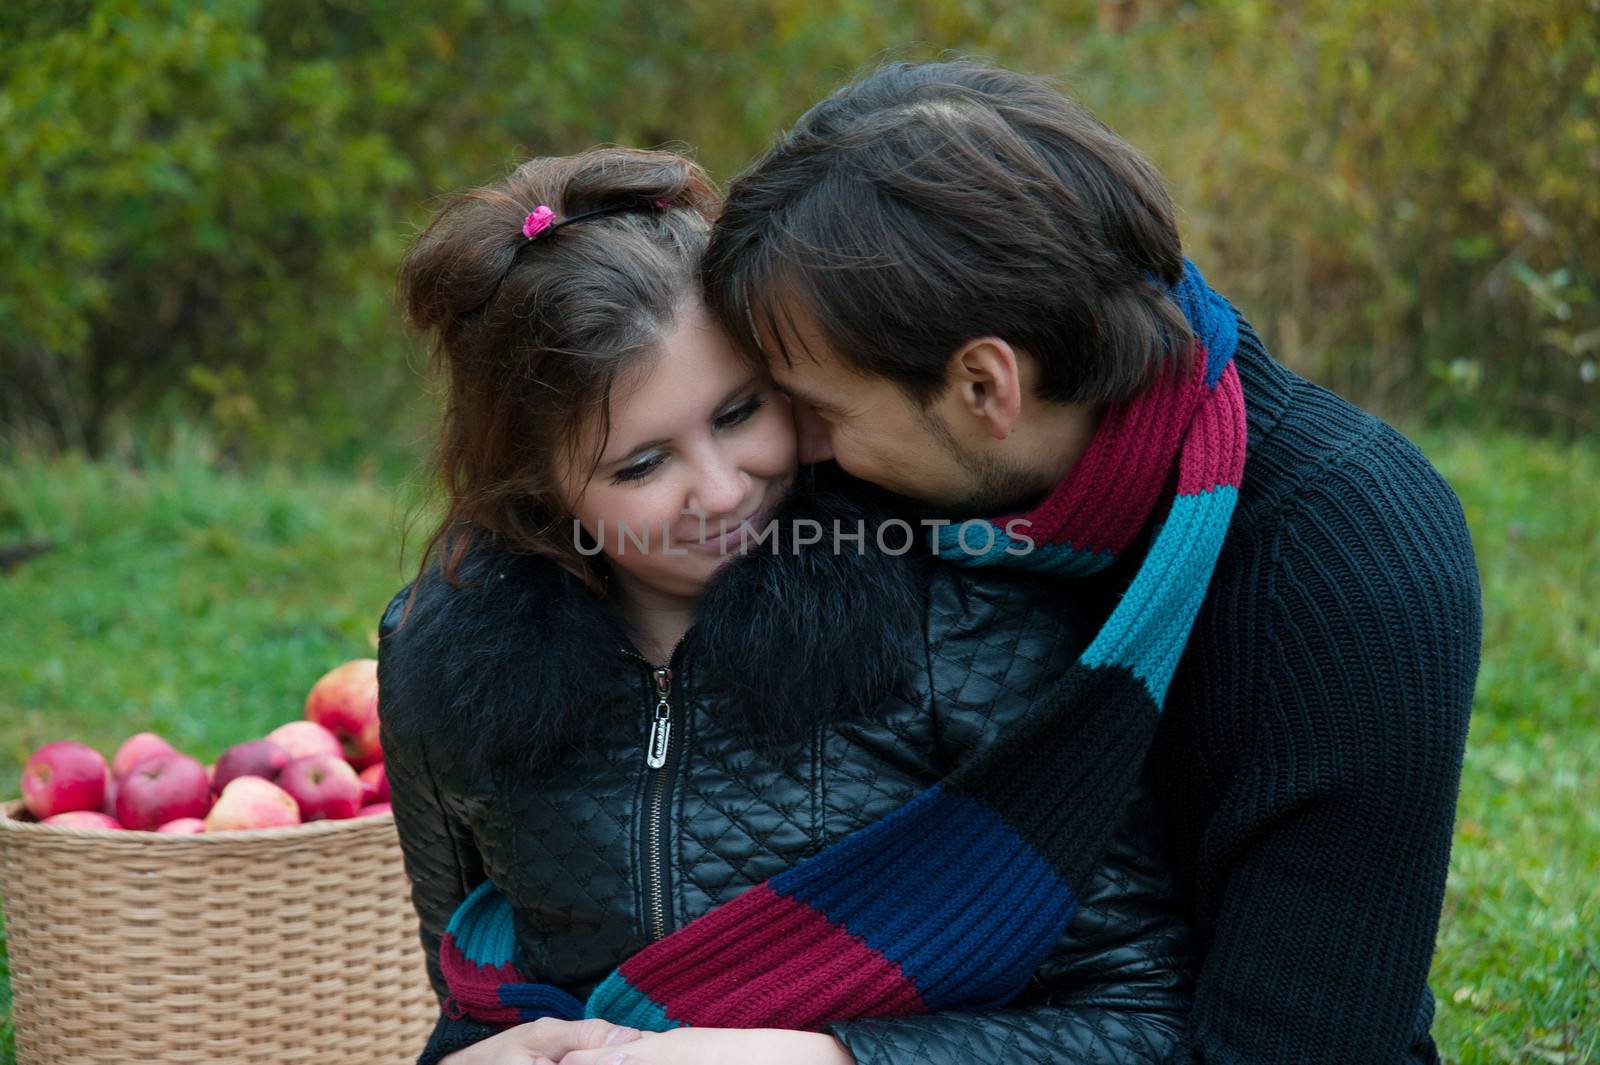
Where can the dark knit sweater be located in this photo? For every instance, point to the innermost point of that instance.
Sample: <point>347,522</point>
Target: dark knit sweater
<point>1310,751</point>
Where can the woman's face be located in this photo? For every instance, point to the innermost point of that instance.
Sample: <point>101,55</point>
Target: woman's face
<point>700,442</point>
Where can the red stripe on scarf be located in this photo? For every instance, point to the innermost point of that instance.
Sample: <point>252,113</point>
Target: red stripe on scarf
<point>765,960</point>
<point>1213,454</point>
<point>1111,491</point>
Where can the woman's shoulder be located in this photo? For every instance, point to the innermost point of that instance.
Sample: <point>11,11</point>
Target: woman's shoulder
<point>968,604</point>
<point>800,636</point>
<point>489,667</point>
<point>431,617</point>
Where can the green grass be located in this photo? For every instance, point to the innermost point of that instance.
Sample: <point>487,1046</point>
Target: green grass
<point>1518,966</point>
<point>195,604</point>
<point>202,605</point>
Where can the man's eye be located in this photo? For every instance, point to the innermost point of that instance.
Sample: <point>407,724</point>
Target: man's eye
<point>741,413</point>
<point>638,471</point>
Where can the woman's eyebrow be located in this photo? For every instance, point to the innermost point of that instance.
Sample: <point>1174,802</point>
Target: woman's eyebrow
<point>646,445</point>
<point>634,450</point>
<point>734,391</point>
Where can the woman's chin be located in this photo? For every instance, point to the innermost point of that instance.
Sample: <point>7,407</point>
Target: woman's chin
<point>686,578</point>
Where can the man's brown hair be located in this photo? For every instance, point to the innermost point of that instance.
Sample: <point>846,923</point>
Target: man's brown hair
<point>927,205</point>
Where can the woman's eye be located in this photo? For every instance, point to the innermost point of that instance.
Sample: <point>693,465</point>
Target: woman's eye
<point>741,413</point>
<point>637,472</point>
<point>737,416</point>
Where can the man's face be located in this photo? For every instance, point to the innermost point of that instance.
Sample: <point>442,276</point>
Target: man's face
<point>878,433</point>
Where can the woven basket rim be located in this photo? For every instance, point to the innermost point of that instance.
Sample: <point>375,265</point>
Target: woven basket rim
<point>10,822</point>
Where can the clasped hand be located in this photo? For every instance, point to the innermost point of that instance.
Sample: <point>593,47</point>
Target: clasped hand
<point>549,1041</point>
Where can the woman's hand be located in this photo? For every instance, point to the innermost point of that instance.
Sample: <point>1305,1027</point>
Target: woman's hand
<point>717,1046</point>
<point>545,1039</point>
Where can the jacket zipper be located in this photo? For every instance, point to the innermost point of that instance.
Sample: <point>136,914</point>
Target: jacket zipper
<point>658,763</point>
<point>661,724</point>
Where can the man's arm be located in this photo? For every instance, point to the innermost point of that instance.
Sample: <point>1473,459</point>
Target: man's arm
<point>1343,704</point>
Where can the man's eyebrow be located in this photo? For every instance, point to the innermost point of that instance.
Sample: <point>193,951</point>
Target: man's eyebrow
<point>809,400</point>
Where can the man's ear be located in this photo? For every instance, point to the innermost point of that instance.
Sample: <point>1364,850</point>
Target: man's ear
<point>986,375</point>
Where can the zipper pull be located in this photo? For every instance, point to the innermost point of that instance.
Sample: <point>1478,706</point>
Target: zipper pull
<point>661,726</point>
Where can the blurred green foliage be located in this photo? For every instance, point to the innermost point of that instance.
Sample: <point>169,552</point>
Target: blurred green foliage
<point>204,201</point>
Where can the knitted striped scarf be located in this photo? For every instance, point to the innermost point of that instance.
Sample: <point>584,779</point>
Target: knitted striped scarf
<point>954,899</point>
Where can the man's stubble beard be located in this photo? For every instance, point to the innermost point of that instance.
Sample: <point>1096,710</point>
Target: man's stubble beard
<point>993,487</point>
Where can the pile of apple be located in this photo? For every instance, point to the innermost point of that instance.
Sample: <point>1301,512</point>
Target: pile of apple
<point>327,766</point>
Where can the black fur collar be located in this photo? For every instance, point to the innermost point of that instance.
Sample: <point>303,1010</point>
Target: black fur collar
<point>526,662</point>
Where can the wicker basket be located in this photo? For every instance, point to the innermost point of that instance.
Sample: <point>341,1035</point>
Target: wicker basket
<point>277,945</point>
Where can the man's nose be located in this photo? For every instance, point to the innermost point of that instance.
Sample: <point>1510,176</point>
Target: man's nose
<point>812,436</point>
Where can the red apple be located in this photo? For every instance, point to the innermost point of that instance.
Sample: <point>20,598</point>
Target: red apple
<point>324,785</point>
<point>373,809</point>
<point>137,748</point>
<point>253,758</point>
<point>108,805</point>
<point>62,776</point>
<point>183,826</point>
<point>302,738</point>
<point>162,789</point>
<point>345,702</point>
<point>252,802</point>
<point>374,784</point>
<point>82,819</point>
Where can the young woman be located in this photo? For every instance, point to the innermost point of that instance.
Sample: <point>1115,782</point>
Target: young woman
<point>606,698</point>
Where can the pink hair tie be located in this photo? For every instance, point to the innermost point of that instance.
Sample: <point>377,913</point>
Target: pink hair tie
<point>542,219</point>
<point>538,221</point>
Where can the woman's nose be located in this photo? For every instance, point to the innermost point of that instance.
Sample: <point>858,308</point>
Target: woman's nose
<point>721,487</point>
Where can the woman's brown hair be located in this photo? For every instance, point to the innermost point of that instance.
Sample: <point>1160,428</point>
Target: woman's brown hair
<point>530,336</point>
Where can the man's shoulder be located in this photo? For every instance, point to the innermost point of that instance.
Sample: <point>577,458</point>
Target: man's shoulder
<point>1315,456</point>
<point>1343,525</point>
<point>1348,559</point>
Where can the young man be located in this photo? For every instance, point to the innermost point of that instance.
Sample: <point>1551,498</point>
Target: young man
<point>976,297</point>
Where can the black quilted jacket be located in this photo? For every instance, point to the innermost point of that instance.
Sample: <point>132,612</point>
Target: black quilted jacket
<point>815,694</point>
